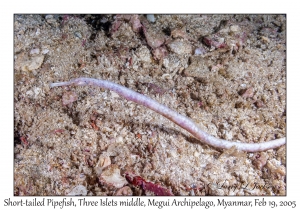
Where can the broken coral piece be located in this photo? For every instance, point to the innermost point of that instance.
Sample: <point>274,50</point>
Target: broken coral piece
<point>149,186</point>
<point>124,191</point>
<point>78,190</point>
<point>103,162</point>
<point>69,97</point>
<point>111,176</point>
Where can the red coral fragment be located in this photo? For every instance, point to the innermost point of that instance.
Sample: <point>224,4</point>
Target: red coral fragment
<point>159,53</point>
<point>149,186</point>
<point>214,41</point>
<point>24,140</point>
<point>135,23</point>
<point>116,24</point>
<point>55,131</point>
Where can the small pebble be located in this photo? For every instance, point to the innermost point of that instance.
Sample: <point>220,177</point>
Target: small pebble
<point>69,97</point>
<point>45,51</point>
<point>50,19</point>
<point>78,34</point>
<point>200,51</point>
<point>38,32</point>
<point>196,154</point>
<point>34,51</point>
<point>78,190</point>
<point>124,191</point>
<point>151,18</point>
<point>234,28</point>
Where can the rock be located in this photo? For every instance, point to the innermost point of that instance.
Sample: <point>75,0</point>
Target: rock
<point>135,23</point>
<point>180,47</point>
<point>154,38</point>
<point>198,68</point>
<point>159,53</point>
<point>144,54</point>
<point>26,63</point>
<point>214,41</point>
